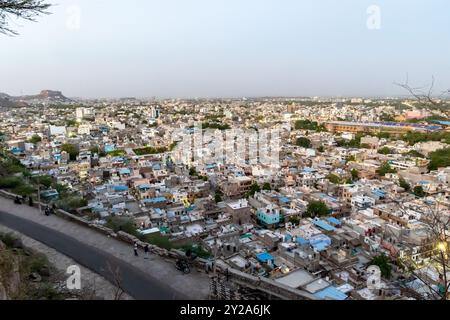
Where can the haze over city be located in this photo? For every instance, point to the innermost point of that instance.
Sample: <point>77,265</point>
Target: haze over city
<point>228,48</point>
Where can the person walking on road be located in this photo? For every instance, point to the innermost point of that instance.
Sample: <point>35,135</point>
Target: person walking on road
<point>146,251</point>
<point>135,249</point>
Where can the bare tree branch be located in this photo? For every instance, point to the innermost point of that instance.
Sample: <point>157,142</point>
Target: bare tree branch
<point>436,225</point>
<point>20,9</point>
<point>117,279</point>
<point>423,94</point>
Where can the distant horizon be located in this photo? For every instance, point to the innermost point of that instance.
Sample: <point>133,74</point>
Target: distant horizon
<point>229,48</point>
<point>405,96</point>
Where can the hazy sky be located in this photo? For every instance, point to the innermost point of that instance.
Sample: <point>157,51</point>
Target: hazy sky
<point>207,48</point>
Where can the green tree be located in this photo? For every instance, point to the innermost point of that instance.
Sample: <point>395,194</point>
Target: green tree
<point>122,224</point>
<point>193,172</point>
<point>385,150</point>
<point>415,154</point>
<point>382,261</point>
<point>71,149</point>
<point>35,139</point>
<point>71,123</point>
<point>405,185</point>
<point>385,168</point>
<point>10,182</point>
<point>254,188</point>
<point>62,189</point>
<point>45,180</point>
<point>72,202</point>
<point>333,178</point>
<point>308,125</point>
<point>387,117</point>
<point>149,150</point>
<point>317,209</point>
<point>24,189</point>
<point>439,159</point>
<point>266,186</point>
<point>99,151</point>
<point>294,220</point>
<point>303,142</point>
<point>355,174</point>
<point>383,135</point>
<point>419,192</point>
<point>217,197</point>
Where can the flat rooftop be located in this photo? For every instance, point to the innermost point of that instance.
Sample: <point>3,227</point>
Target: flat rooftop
<point>296,279</point>
<point>413,126</point>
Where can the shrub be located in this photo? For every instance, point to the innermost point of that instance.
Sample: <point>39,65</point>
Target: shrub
<point>383,263</point>
<point>419,192</point>
<point>385,168</point>
<point>71,203</point>
<point>317,209</point>
<point>303,142</point>
<point>10,182</point>
<point>37,262</point>
<point>439,159</point>
<point>8,239</point>
<point>197,250</point>
<point>45,180</point>
<point>122,224</point>
<point>24,190</point>
<point>159,240</point>
<point>35,139</point>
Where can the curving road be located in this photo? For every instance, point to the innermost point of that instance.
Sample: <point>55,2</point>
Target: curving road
<point>135,282</point>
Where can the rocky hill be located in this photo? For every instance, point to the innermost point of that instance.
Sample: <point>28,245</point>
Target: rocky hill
<point>46,95</point>
<point>52,96</point>
<point>7,101</point>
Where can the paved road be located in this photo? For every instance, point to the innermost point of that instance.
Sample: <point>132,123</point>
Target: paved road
<point>134,281</point>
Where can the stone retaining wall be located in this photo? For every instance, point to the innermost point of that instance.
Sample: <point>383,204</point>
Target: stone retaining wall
<point>122,236</point>
<point>266,285</point>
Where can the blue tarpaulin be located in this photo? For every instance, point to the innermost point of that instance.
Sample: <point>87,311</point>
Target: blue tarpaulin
<point>264,257</point>
<point>125,171</point>
<point>155,200</point>
<point>120,188</point>
<point>334,221</point>
<point>331,293</point>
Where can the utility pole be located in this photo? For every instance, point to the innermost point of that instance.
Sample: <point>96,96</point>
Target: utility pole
<point>39,197</point>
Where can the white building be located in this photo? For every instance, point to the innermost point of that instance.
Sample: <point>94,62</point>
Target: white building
<point>57,131</point>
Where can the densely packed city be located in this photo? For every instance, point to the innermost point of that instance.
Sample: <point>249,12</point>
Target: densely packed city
<point>354,203</point>
<point>211,159</point>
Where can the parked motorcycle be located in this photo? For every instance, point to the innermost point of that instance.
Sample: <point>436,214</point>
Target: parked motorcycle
<point>183,265</point>
<point>17,200</point>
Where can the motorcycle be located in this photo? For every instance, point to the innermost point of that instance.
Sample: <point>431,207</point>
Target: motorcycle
<point>183,266</point>
<point>47,211</point>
